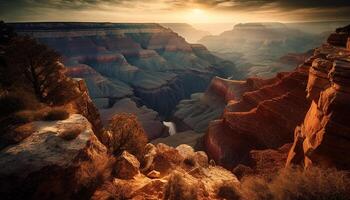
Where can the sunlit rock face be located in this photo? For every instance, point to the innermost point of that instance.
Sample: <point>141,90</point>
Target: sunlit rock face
<point>146,61</point>
<point>263,49</point>
<point>323,138</point>
<point>59,160</point>
<point>154,181</point>
<point>261,115</point>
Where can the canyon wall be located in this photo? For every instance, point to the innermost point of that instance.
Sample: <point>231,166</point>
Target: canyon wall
<point>313,98</point>
<point>146,61</point>
<point>323,138</point>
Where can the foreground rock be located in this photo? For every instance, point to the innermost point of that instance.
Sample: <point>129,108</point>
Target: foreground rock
<point>170,174</point>
<point>59,160</point>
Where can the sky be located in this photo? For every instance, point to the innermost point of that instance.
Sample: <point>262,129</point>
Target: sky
<point>179,11</point>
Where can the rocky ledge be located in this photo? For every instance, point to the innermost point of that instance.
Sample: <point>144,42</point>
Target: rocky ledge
<point>59,160</point>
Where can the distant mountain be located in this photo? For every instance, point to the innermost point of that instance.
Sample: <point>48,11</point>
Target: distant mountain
<point>258,47</point>
<point>317,27</point>
<point>187,31</point>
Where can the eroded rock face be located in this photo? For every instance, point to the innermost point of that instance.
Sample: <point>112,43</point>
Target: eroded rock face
<point>323,138</point>
<point>49,165</point>
<point>264,117</point>
<point>146,61</point>
<point>83,105</point>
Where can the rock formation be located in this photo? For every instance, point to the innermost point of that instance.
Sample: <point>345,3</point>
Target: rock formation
<point>256,48</point>
<point>260,116</point>
<point>187,31</point>
<point>191,169</point>
<point>146,61</point>
<point>323,138</point>
<point>50,165</point>
<point>265,114</point>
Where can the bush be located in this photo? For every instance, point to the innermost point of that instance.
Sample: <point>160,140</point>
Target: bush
<point>178,188</point>
<point>227,190</point>
<point>124,133</point>
<point>298,184</point>
<point>56,114</point>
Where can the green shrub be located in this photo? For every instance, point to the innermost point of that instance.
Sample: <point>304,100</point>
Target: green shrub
<point>56,114</point>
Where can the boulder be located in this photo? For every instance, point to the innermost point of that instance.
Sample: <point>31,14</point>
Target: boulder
<point>47,166</point>
<point>127,166</point>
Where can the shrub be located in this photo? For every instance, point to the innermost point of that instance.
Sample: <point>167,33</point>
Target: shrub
<point>178,188</point>
<point>56,114</point>
<point>124,133</point>
<point>298,184</point>
<point>227,190</point>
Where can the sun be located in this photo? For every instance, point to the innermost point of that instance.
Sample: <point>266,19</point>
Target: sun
<point>197,11</point>
<point>197,15</point>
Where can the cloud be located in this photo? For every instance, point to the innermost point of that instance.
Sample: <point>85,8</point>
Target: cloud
<point>14,10</point>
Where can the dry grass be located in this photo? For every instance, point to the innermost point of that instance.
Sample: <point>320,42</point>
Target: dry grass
<point>112,191</point>
<point>177,188</point>
<point>298,184</point>
<point>56,114</point>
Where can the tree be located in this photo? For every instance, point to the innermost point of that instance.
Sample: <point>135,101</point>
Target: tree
<point>36,67</point>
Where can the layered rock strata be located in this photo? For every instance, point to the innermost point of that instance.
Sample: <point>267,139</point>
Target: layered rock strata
<point>146,61</point>
<point>323,138</point>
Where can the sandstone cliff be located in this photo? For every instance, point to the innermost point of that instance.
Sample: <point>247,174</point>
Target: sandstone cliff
<point>266,116</point>
<point>323,137</point>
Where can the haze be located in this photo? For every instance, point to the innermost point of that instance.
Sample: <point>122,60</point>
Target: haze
<point>166,11</point>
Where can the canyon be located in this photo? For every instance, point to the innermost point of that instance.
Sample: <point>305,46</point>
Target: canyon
<point>302,105</point>
<point>257,48</point>
<point>145,63</point>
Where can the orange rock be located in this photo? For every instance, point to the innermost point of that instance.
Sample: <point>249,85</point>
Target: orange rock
<point>127,166</point>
